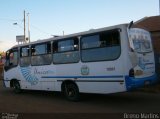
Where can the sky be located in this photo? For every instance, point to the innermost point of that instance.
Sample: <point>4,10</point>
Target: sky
<point>52,17</point>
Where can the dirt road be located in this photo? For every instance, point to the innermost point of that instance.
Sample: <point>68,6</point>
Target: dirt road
<point>50,102</point>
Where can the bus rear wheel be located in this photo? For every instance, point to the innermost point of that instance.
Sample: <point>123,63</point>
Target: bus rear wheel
<point>16,87</point>
<point>71,91</point>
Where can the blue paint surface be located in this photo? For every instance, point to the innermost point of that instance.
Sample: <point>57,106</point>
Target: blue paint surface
<point>118,76</point>
<point>133,83</point>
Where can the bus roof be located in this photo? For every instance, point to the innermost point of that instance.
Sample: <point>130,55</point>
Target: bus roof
<point>74,35</point>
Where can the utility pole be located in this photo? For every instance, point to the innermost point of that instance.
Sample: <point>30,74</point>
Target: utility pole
<point>24,26</point>
<point>159,7</point>
<point>28,29</point>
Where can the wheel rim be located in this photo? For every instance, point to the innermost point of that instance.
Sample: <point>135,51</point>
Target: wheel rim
<point>16,87</point>
<point>70,92</point>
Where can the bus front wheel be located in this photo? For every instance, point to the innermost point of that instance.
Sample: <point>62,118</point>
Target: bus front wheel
<point>71,91</point>
<point>16,87</point>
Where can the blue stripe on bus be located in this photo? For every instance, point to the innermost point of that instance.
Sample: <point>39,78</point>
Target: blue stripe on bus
<point>119,76</point>
<point>120,81</point>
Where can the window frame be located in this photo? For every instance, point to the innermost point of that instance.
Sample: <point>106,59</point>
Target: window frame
<point>118,30</point>
<point>61,40</point>
<point>29,55</point>
<point>44,43</point>
<point>8,65</point>
<point>40,55</point>
<point>70,51</point>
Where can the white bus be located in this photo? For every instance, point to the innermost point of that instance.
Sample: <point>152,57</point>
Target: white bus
<point>107,60</point>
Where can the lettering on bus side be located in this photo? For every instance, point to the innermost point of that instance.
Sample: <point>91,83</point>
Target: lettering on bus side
<point>110,68</point>
<point>40,72</point>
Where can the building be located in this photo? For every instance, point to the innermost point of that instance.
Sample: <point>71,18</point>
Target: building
<point>152,24</point>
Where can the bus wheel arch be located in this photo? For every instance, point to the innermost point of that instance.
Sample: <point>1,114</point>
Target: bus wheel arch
<point>70,90</point>
<point>14,83</point>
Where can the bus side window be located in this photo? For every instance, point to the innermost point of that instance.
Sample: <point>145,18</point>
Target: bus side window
<point>11,59</point>
<point>25,56</point>
<point>41,54</point>
<point>103,46</point>
<point>66,51</point>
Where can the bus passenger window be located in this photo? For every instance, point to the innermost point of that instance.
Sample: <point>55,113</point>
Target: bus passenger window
<point>88,43</point>
<point>24,56</point>
<point>66,51</point>
<point>41,54</point>
<point>13,58</point>
<point>100,46</point>
<point>24,51</point>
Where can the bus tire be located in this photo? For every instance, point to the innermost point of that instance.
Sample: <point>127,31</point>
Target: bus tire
<point>16,87</point>
<point>71,91</point>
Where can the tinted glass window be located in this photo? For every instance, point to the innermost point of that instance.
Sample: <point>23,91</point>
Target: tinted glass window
<point>101,46</point>
<point>66,45</point>
<point>66,51</point>
<point>41,54</point>
<point>24,56</point>
<point>11,58</point>
<point>90,42</point>
<point>41,49</point>
<point>24,51</point>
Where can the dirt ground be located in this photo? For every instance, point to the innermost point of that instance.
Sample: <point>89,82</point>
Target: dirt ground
<point>41,104</point>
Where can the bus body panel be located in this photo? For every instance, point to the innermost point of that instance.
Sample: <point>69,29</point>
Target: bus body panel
<point>105,74</point>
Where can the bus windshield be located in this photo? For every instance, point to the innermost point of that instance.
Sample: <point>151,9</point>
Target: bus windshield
<point>140,40</point>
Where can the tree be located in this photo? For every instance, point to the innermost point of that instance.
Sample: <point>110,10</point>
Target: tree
<point>2,57</point>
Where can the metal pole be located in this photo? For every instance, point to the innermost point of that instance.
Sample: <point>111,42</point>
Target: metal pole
<point>28,29</point>
<point>159,7</point>
<point>24,26</point>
